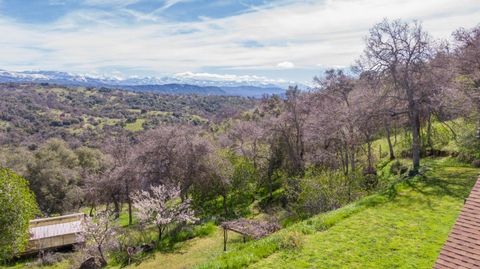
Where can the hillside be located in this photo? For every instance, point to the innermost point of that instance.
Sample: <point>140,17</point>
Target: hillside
<point>401,229</point>
<point>369,168</point>
<point>35,112</point>
<point>404,227</point>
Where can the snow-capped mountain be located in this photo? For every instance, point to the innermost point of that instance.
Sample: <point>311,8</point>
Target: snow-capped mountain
<point>197,83</point>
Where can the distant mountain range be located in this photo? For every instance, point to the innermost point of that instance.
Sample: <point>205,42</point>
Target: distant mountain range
<point>170,85</point>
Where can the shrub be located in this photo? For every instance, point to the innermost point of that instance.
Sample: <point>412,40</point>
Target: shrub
<point>49,258</point>
<point>205,229</point>
<point>476,163</point>
<point>127,239</point>
<point>397,168</point>
<point>468,143</point>
<point>370,180</point>
<point>325,191</point>
<point>17,207</point>
<point>292,240</point>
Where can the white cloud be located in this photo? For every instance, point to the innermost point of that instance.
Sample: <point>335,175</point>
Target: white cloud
<point>110,2</point>
<point>329,32</point>
<point>171,3</point>
<point>286,65</point>
<point>227,77</point>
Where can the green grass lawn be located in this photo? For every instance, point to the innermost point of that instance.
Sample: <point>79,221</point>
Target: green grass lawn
<point>406,231</point>
<point>191,252</point>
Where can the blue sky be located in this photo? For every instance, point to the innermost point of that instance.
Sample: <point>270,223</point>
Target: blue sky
<point>275,40</point>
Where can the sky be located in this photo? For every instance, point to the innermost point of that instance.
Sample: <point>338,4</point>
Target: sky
<point>278,40</point>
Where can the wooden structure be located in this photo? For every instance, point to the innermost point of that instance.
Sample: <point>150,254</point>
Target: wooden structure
<point>462,249</point>
<point>248,228</point>
<point>48,233</point>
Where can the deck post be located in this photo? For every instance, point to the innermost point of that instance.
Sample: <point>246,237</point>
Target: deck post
<point>224,239</point>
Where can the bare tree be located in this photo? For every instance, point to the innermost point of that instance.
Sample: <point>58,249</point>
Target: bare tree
<point>467,66</point>
<point>290,128</point>
<point>173,155</point>
<point>333,100</point>
<point>400,52</point>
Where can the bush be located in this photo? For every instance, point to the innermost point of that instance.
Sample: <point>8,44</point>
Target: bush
<point>131,238</point>
<point>370,182</point>
<point>469,145</point>
<point>292,240</point>
<point>49,258</point>
<point>205,229</point>
<point>397,168</point>
<point>17,207</point>
<point>476,163</point>
<point>325,191</point>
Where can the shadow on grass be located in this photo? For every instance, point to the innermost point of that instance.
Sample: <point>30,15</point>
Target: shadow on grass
<point>173,243</point>
<point>437,180</point>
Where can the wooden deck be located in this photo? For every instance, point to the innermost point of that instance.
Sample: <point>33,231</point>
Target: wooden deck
<point>54,232</point>
<point>462,249</point>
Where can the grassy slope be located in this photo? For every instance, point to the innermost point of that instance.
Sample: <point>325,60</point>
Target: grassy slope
<point>407,231</point>
<point>191,252</point>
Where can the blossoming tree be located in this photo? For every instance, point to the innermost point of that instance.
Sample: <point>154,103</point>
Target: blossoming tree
<point>98,235</point>
<point>161,206</point>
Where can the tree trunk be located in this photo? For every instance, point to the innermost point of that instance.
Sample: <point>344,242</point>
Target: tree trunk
<point>415,124</point>
<point>395,134</point>
<point>478,129</point>
<point>160,231</point>
<point>130,217</point>
<point>91,210</point>
<point>269,178</point>
<point>346,159</point>
<point>116,205</point>
<point>369,153</point>
<point>349,188</point>
<point>225,210</point>
<point>103,261</point>
<point>429,132</point>
<point>129,202</point>
<point>270,188</point>
<point>342,158</point>
<point>389,140</point>
<point>353,164</point>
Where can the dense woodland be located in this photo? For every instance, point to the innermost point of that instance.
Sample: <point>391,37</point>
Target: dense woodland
<point>218,158</point>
